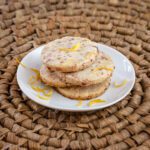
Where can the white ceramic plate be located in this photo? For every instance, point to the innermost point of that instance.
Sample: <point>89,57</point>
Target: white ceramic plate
<point>124,70</point>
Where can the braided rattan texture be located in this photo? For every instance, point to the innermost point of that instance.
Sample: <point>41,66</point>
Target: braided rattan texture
<point>25,25</point>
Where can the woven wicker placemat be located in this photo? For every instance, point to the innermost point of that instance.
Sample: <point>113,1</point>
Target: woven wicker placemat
<point>123,25</point>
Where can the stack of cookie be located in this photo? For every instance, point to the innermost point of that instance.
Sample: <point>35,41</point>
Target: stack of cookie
<point>76,68</point>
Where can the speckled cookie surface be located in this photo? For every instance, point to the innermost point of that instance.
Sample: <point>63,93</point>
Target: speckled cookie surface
<point>69,54</point>
<point>50,77</point>
<point>87,92</point>
<point>96,73</point>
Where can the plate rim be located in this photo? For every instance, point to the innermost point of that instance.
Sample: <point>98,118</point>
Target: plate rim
<point>79,109</point>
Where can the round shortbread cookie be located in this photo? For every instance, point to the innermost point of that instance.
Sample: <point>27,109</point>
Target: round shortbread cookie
<point>87,92</point>
<point>69,54</point>
<point>50,78</point>
<point>96,73</point>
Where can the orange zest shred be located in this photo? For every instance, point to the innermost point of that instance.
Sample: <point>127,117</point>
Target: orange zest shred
<point>105,68</point>
<point>43,97</point>
<point>124,82</point>
<point>22,64</point>
<point>49,93</point>
<point>95,101</point>
<point>32,80</point>
<point>79,104</point>
<point>37,89</point>
<point>36,72</point>
<point>73,48</point>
